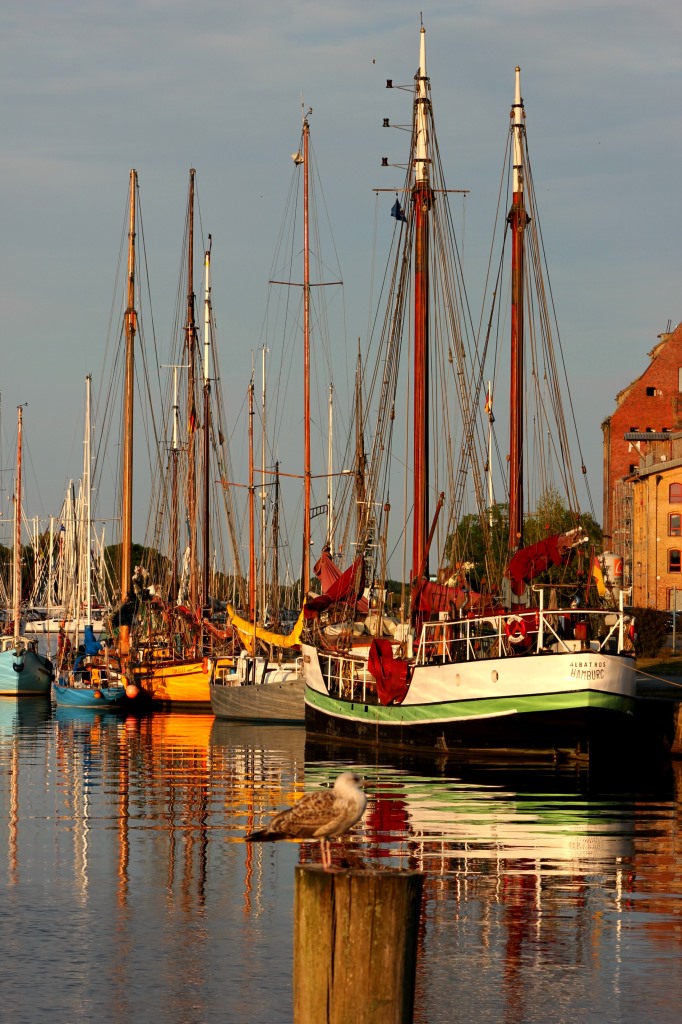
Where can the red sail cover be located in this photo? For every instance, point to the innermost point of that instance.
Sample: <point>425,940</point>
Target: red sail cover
<point>338,586</point>
<point>390,674</point>
<point>431,598</point>
<point>531,561</point>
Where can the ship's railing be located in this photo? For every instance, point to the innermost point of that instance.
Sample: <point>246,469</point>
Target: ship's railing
<point>562,631</point>
<point>349,678</point>
<point>510,635</point>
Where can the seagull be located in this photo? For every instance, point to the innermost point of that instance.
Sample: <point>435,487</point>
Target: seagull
<point>319,815</point>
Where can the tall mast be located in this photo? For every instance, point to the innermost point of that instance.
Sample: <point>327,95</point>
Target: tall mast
<point>360,457</point>
<point>16,563</point>
<point>252,539</point>
<point>207,430</point>
<point>422,199</point>
<point>87,494</point>
<point>518,219</point>
<point>191,335</point>
<point>128,393</point>
<point>330,473</point>
<point>305,570</point>
<point>174,525</point>
<point>275,549</point>
<point>263,492</point>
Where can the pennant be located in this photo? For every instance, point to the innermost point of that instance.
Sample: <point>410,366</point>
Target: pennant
<point>397,211</point>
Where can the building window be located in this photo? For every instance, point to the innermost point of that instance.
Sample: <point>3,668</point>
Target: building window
<point>633,430</point>
<point>675,493</point>
<point>675,524</point>
<point>633,467</point>
<point>650,392</point>
<point>674,560</point>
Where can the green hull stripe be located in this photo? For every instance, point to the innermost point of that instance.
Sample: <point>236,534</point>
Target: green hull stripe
<point>461,710</point>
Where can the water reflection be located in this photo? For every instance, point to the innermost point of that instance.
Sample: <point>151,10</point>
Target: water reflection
<point>544,894</point>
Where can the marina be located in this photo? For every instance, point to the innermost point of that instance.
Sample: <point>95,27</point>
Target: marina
<point>129,892</point>
<point>331,689</point>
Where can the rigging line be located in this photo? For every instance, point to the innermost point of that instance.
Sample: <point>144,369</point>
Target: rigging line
<point>561,351</point>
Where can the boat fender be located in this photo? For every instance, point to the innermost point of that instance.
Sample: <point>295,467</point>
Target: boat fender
<point>204,666</point>
<point>97,694</point>
<point>515,629</point>
<point>131,691</point>
<point>18,666</point>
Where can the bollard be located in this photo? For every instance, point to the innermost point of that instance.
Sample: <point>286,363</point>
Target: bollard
<point>355,945</point>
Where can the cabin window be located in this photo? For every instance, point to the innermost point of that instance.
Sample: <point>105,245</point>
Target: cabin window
<point>674,560</point>
<point>650,392</point>
<point>675,524</point>
<point>675,493</point>
<point>633,467</point>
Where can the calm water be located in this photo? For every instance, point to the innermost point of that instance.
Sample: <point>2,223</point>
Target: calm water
<point>128,893</point>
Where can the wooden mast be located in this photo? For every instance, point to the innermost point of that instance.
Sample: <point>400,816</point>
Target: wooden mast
<point>16,562</point>
<point>422,199</point>
<point>128,396</point>
<point>205,575</point>
<point>252,537</point>
<point>305,569</point>
<point>518,219</point>
<point>191,338</point>
<point>87,495</point>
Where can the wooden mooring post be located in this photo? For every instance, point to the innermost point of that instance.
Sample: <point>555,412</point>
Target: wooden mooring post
<point>355,945</point>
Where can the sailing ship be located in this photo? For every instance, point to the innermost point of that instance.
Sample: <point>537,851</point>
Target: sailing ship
<point>267,682</point>
<point>176,644</point>
<point>91,678</point>
<point>23,670</point>
<point>512,664</point>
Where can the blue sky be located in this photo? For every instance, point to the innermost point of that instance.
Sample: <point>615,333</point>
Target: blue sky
<point>91,89</point>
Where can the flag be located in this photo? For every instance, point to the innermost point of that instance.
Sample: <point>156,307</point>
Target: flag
<point>192,425</point>
<point>489,404</point>
<point>598,576</point>
<point>397,211</point>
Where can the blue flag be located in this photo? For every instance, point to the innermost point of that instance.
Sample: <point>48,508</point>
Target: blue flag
<point>397,211</point>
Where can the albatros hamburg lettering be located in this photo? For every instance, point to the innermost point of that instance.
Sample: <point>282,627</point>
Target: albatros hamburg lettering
<point>584,669</point>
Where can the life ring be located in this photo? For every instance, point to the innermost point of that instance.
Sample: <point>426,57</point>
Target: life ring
<point>515,629</point>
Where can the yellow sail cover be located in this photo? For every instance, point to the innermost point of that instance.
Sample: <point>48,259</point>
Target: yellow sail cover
<point>247,631</point>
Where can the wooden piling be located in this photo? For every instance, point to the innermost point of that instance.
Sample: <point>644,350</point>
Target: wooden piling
<point>355,945</point>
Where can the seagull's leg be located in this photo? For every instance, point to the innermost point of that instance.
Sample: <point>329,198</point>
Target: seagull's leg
<point>326,854</point>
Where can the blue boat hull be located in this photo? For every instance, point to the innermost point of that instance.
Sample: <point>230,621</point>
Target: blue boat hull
<point>103,697</point>
<point>24,673</point>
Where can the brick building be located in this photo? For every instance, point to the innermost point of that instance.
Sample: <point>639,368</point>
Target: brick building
<point>642,462</point>
<point>656,569</point>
